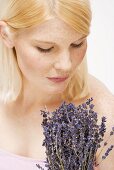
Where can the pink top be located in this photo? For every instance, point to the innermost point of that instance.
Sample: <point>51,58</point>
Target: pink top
<point>11,161</point>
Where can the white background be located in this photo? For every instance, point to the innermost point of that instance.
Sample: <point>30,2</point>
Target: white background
<point>100,53</point>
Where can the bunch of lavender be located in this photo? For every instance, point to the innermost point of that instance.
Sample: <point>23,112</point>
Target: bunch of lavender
<point>72,137</point>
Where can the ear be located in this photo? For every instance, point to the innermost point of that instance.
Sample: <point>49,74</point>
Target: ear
<point>6,34</point>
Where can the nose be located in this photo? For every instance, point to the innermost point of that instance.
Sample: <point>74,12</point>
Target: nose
<point>63,62</point>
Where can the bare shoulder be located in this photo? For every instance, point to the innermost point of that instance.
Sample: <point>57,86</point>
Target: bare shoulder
<point>98,86</point>
<point>102,96</point>
<point>103,99</point>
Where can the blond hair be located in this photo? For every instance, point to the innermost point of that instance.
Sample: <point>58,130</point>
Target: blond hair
<point>20,14</point>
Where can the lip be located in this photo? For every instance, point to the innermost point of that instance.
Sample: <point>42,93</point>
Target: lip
<point>57,79</point>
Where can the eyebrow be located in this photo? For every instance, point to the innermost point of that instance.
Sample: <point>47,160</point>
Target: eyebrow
<point>50,42</point>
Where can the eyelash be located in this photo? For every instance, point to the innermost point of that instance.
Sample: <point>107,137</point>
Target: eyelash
<point>48,50</point>
<point>44,50</point>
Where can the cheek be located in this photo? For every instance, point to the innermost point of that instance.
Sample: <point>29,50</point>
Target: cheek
<point>82,52</point>
<point>79,54</point>
<point>30,62</point>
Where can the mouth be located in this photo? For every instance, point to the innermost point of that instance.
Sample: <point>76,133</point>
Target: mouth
<point>57,79</point>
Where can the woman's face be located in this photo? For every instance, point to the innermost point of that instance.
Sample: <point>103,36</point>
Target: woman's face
<point>52,49</point>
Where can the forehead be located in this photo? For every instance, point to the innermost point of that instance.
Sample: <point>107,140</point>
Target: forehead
<point>52,29</point>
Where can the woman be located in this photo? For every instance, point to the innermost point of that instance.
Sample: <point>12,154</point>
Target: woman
<point>43,62</point>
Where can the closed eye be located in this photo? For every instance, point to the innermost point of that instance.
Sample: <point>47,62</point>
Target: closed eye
<point>45,50</point>
<point>77,45</point>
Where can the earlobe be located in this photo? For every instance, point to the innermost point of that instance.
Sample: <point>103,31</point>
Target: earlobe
<point>5,34</point>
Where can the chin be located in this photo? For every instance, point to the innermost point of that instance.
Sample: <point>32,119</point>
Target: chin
<point>55,90</point>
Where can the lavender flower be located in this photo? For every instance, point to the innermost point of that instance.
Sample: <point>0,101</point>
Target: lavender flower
<point>72,137</point>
